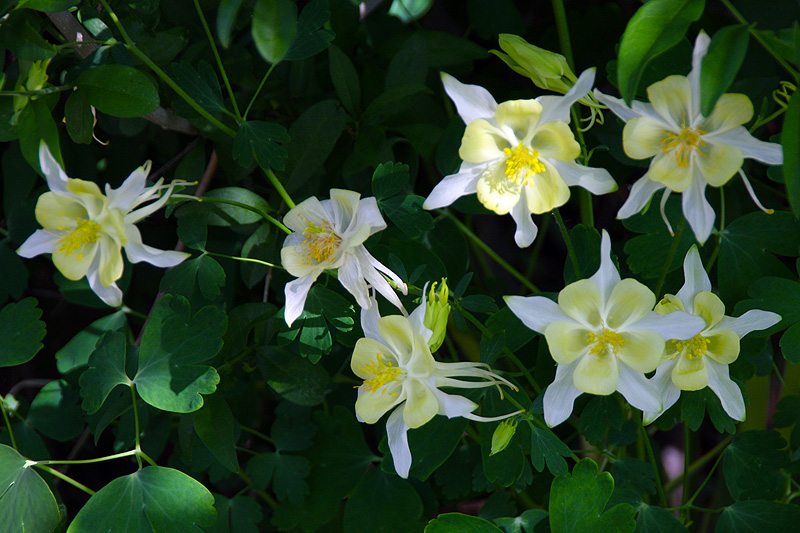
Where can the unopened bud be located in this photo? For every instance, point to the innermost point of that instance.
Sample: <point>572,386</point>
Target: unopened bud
<point>437,311</point>
<point>503,434</point>
<point>547,70</point>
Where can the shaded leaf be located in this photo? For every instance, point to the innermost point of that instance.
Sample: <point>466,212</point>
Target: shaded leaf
<point>215,426</point>
<point>311,37</point>
<point>752,466</point>
<point>756,515</point>
<point>460,523</point>
<point>549,449</point>
<point>119,90</point>
<point>274,28</point>
<point>720,65</point>
<point>260,139</point>
<point>383,502</point>
<point>345,80</point>
<point>26,502</point>
<point>790,139</point>
<point>21,332</point>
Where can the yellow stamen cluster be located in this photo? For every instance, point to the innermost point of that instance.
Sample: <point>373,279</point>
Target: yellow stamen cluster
<point>605,341</point>
<point>683,143</point>
<point>384,373</point>
<point>697,346</point>
<point>322,242</point>
<point>522,163</point>
<point>85,232</point>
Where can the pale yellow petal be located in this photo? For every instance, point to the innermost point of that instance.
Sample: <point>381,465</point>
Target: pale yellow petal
<point>296,261</point>
<point>690,374</point>
<point>519,115</point>
<point>556,141</point>
<point>59,212</point>
<point>111,264</point>
<point>421,403</point>
<point>709,307</point>
<point>723,346</point>
<point>482,142</point>
<point>667,169</point>
<point>582,302</point>
<point>567,341</point>
<point>496,191</point>
<point>75,264</point>
<point>421,363</point>
<point>669,304</point>
<point>547,192</point>
<point>371,406</point>
<point>643,137</point>
<point>670,98</point>
<point>731,110</point>
<point>89,194</point>
<point>642,350</point>
<point>719,162</point>
<point>596,374</point>
<point>629,302</point>
<point>365,354</point>
<point>396,331</point>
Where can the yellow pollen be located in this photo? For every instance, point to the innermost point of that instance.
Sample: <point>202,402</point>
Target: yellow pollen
<point>522,163</point>
<point>605,341</point>
<point>683,143</point>
<point>322,242</point>
<point>697,346</point>
<point>85,232</point>
<point>384,373</point>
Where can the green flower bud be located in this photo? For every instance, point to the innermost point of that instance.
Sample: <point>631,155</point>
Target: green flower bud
<point>437,311</point>
<point>547,70</point>
<point>503,434</point>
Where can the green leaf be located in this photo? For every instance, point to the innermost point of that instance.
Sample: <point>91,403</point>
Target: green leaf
<point>14,280</point>
<point>311,37</point>
<point>200,84</point>
<point>203,272</point>
<point>433,443</point>
<point>36,124</point>
<point>633,481</point>
<point>78,117</point>
<point>48,6</point>
<point>406,212</point>
<point>389,179</point>
<point>215,426</point>
<point>173,342</point>
<point>752,466</point>
<point>409,66</point>
<point>119,90</point>
<point>226,18</point>
<point>648,253</point>
<point>292,430</point>
<point>578,501</point>
<point>409,10</point>
<point>655,28</point>
<point>652,519</point>
<point>260,139</point>
<point>460,523</point>
<point>21,33</point>
<point>755,515</point>
<point>293,377</point>
<point>56,411</point>
<point>26,502</point>
<point>790,139</point>
<point>108,366</point>
<point>152,499</point>
<point>345,80</point>
<point>601,415</point>
<point>720,65</point>
<point>693,408</point>
<point>75,354</point>
<point>790,344</point>
<point>286,472</point>
<point>383,502</point>
<point>21,332</point>
<point>220,214</point>
<point>274,28</point>
<point>241,514</point>
<point>524,523</point>
<point>547,448</point>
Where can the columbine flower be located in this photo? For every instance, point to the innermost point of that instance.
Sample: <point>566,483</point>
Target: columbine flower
<point>604,336</point>
<point>689,150</point>
<point>330,235</point>
<point>519,156</point>
<point>86,230</point>
<point>702,361</point>
<point>400,374</point>
<point>437,312</point>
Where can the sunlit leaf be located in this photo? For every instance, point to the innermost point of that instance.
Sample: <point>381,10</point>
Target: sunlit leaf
<point>26,502</point>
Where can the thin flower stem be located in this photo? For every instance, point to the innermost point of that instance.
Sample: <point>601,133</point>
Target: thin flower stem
<point>258,90</point>
<point>491,253</point>
<point>138,449</point>
<point>210,37</point>
<point>584,196</point>
<point>687,441</point>
<point>568,241</point>
<point>700,462</point>
<point>269,500</point>
<point>128,311</point>
<point>260,212</point>
<point>537,247</point>
<point>662,497</point>
<point>8,422</point>
<point>676,239</point>
<point>706,480</point>
<point>563,31</point>
<point>244,259</point>
<point>257,434</point>
<point>87,461</point>
<point>767,120</point>
<point>279,187</point>
<point>68,479</point>
<point>38,92</point>
<point>163,75</point>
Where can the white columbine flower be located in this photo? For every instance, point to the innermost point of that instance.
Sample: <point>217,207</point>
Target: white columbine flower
<point>400,374</point>
<point>86,230</point>
<point>703,360</point>
<point>330,235</point>
<point>689,150</point>
<point>604,336</point>
<point>519,156</point>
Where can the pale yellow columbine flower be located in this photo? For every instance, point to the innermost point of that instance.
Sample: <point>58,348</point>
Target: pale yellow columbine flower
<point>518,156</point>
<point>85,230</point>
<point>703,360</point>
<point>330,235</point>
<point>437,312</point>
<point>401,375</point>
<point>604,336</point>
<point>689,151</point>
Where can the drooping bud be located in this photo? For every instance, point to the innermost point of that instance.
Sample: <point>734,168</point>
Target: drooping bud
<point>437,311</point>
<point>503,434</point>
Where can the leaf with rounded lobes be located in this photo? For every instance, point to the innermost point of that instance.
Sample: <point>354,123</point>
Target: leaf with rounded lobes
<point>119,90</point>
<point>389,179</point>
<point>56,411</point>
<point>633,481</point>
<point>758,515</point>
<point>345,80</point>
<point>173,343</point>
<point>523,523</point>
<point>652,519</point>
<point>21,332</point>
<point>753,466</point>
<point>152,499</point>
<point>460,523</point>
<point>406,212</point>
<point>293,377</point>
<point>656,27</point>
<point>78,117</point>
<point>311,37</point>
<point>26,502</point>
<point>215,426</point>
<point>108,367</point>
<point>274,28</point>
<point>201,84</point>
<point>790,139</point>
<point>720,65</point>
<point>260,139</point>
<point>383,502</point>
<point>547,447</point>
<point>578,501</point>
<point>203,272</point>
<point>240,514</point>
<point>226,18</point>
<point>75,354</point>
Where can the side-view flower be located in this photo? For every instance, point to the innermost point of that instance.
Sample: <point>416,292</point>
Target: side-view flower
<point>604,336</point>
<point>689,150</point>
<point>401,375</point>
<point>518,156</point>
<point>85,230</point>
<point>703,360</point>
<point>330,235</point>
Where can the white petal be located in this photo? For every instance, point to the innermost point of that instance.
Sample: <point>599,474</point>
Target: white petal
<point>698,53</point>
<point>668,392</point>
<point>417,318</point>
<point>369,320</point>
<point>641,192</point>
<point>637,390</point>
<point>695,279</point>
<point>369,215</point>
<point>344,206</point>
<point>559,398</point>
<point>617,106</point>
<point>53,173</point>
<point>351,276</point>
<point>526,228</point>
<point>111,295</point>
<point>536,312</point>
<point>124,196</point>
<point>397,433</point>
<point>454,186</point>
<point>40,242</point>
<point>296,292</point>
<point>769,153</point>
<point>594,180</point>
<point>676,325</point>
<point>371,269</point>
<point>753,320</point>
<point>557,107</point>
<point>309,211</point>
<point>726,390</point>
<point>607,275</point>
<point>137,251</point>
<point>451,405</point>
<point>697,210</point>
<point>472,101</point>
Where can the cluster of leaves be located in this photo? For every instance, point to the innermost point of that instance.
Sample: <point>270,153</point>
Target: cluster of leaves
<point>196,408</point>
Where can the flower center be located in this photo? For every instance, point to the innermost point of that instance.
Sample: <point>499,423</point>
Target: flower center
<point>606,341</point>
<point>697,346</point>
<point>322,242</point>
<point>683,144</point>
<point>85,232</point>
<point>384,373</point>
<point>521,164</point>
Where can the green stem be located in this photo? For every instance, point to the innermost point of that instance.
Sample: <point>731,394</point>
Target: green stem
<point>221,67</point>
<point>700,462</point>
<point>68,479</point>
<point>87,461</point>
<point>8,422</point>
<point>568,241</point>
<point>662,497</point>
<point>138,449</point>
<point>705,481</point>
<point>38,92</point>
<point>258,90</point>
<point>279,187</point>
<point>687,438</point>
<point>563,31</point>
<point>163,75</point>
<point>128,311</point>
<point>260,212</point>
<point>585,197</point>
<point>491,253</point>
<point>676,239</point>
<point>244,259</point>
<point>767,120</point>
<point>257,434</point>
